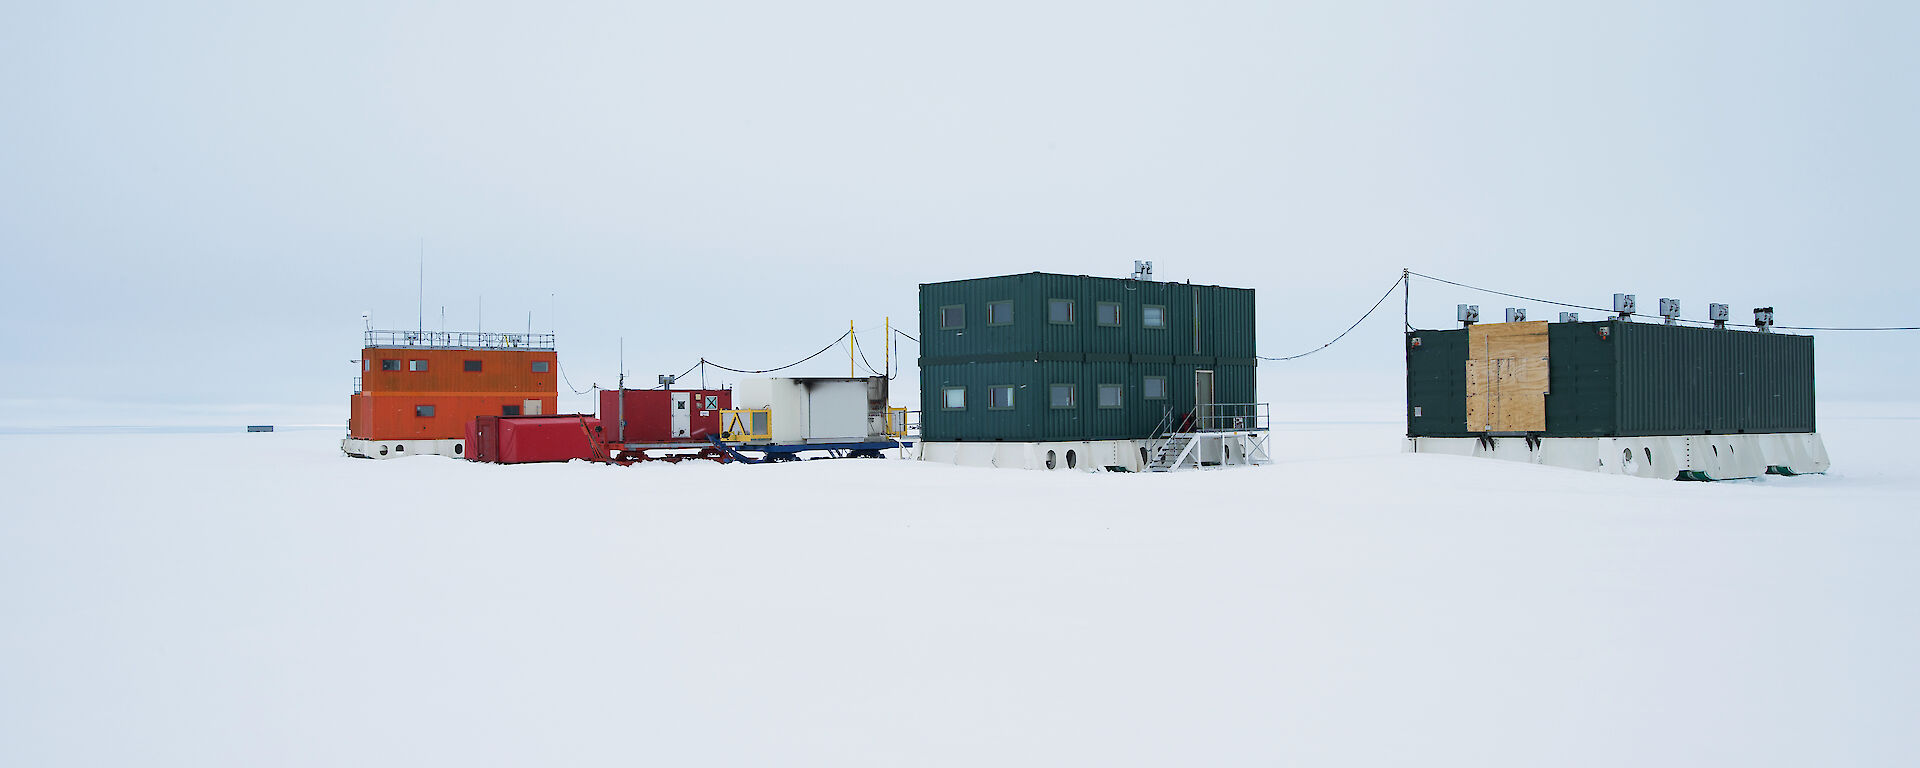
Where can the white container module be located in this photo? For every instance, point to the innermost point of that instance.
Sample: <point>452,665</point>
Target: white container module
<point>818,410</point>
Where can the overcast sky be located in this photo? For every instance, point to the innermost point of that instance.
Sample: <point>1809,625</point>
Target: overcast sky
<point>197,201</point>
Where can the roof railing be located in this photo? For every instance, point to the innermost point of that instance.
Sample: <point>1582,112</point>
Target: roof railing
<point>458,340</point>
<point>1231,417</point>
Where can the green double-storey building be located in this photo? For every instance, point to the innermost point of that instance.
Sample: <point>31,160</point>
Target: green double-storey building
<point>1041,357</point>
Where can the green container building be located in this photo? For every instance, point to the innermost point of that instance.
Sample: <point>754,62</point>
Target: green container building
<point>1617,378</point>
<point>1042,357</point>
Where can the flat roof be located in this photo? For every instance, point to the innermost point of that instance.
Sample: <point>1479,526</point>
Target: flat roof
<point>1086,277</point>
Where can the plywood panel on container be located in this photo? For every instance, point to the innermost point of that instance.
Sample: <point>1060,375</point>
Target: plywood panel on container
<point>1478,407</point>
<point>1507,377</point>
<point>1494,341</point>
<point>1506,395</point>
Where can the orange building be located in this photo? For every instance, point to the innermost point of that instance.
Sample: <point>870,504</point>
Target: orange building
<point>418,390</point>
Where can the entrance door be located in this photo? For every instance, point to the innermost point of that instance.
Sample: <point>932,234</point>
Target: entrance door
<point>1203,399</point>
<point>530,407</point>
<point>682,421</point>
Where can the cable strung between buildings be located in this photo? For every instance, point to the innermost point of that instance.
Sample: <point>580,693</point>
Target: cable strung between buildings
<point>863,359</point>
<point>1343,334</point>
<point>823,350</point>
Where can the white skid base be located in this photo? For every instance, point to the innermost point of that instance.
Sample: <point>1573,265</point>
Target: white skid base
<point>1085,456</point>
<point>1202,450</point>
<point>1672,457</point>
<point>393,449</point>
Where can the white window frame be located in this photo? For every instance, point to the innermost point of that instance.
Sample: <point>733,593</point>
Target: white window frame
<point>1072,315</point>
<point>1073,396</point>
<point>1146,390</point>
<point>1009,306</point>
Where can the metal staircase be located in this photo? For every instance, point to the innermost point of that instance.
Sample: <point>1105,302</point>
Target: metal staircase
<point>1215,434</point>
<point>1170,452</point>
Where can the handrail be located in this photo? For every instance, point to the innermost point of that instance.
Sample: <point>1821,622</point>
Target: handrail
<point>459,340</point>
<point>1231,417</point>
<point>1161,437</point>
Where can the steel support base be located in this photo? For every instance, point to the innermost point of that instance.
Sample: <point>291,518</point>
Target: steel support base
<point>393,449</point>
<point>1667,457</point>
<point>1079,456</point>
<point>1207,450</point>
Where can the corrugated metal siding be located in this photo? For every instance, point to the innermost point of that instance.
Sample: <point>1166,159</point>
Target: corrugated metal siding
<point>1033,353</point>
<point>1034,419</point>
<point>1225,325</point>
<point>1580,380</point>
<point>1641,379</point>
<point>1676,380</point>
<point>976,337</point>
<point>390,416</point>
<point>500,371</point>
<point>1437,383</point>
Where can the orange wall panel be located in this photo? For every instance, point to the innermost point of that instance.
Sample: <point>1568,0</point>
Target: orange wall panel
<point>385,407</point>
<point>392,416</point>
<point>501,371</point>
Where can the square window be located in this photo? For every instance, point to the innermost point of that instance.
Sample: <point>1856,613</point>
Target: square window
<point>1060,311</point>
<point>471,366</point>
<point>1060,395</point>
<point>1109,313</point>
<point>423,411</point>
<point>1110,395</point>
<point>509,410</point>
<point>953,316</point>
<point>389,365</point>
<point>953,398</point>
<point>999,313</point>
<point>1000,396</point>
<point>1154,388</point>
<point>541,366</point>
<point>1153,316</point>
<point>416,365</point>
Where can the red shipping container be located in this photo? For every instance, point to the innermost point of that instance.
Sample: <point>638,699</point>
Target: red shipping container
<point>664,415</point>
<point>530,439</point>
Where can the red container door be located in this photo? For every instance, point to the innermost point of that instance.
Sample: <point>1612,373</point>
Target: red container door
<point>483,438</point>
<point>707,406</point>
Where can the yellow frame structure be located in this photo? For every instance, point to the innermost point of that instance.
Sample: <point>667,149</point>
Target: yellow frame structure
<point>896,422</point>
<point>737,425</point>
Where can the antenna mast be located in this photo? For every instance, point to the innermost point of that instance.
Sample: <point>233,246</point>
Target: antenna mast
<point>620,403</point>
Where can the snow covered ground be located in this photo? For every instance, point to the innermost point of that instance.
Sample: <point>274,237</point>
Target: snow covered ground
<point>242,599</point>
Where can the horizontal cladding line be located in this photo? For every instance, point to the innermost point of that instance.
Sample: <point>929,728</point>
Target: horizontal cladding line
<point>487,350</point>
<point>1059,357</point>
<point>425,393</point>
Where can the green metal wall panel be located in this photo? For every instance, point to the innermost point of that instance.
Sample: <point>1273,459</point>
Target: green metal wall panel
<point>1206,328</point>
<point>1623,379</point>
<point>1033,417</point>
<point>1436,383</point>
<point>1580,380</point>
<point>975,337</point>
<point>1201,321</point>
<point>1677,380</point>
